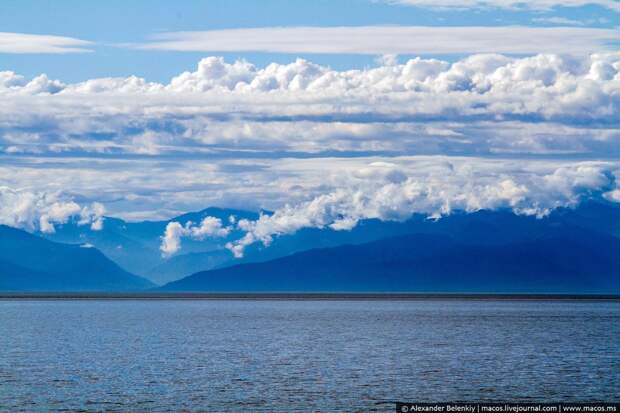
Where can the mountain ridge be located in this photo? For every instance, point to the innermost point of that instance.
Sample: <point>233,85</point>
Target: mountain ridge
<point>441,265</point>
<point>135,246</point>
<point>32,263</point>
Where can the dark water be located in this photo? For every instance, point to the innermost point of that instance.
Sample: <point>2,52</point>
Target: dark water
<point>302,355</point>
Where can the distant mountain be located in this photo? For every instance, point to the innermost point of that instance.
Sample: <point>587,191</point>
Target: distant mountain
<point>135,245</point>
<point>483,234</point>
<point>481,227</point>
<point>182,265</point>
<point>564,260</point>
<point>32,263</point>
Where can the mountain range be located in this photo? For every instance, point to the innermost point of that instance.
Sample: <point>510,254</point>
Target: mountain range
<point>135,245</point>
<point>569,251</point>
<point>31,263</point>
<point>566,261</point>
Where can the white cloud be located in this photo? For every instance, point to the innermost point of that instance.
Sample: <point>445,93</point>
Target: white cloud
<point>92,214</point>
<point>560,21</point>
<point>23,43</point>
<point>140,189</point>
<point>435,194</point>
<point>507,4</point>
<point>390,40</point>
<point>171,240</point>
<point>40,211</point>
<point>549,103</point>
<point>209,227</point>
<point>613,196</point>
<point>233,134</point>
<point>337,193</point>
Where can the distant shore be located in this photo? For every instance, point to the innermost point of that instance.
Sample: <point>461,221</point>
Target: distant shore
<point>296,296</point>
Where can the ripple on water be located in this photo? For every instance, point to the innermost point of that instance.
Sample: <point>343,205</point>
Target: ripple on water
<point>302,355</point>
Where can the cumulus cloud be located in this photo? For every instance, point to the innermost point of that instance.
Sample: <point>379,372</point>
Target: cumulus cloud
<point>386,194</point>
<point>171,240</point>
<point>508,4</point>
<point>40,211</point>
<point>419,106</point>
<point>208,227</point>
<point>394,189</point>
<point>22,43</point>
<point>390,39</point>
<point>234,134</point>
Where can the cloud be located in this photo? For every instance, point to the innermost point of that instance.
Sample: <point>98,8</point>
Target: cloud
<point>209,227</point>
<point>390,40</point>
<point>548,103</point>
<point>236,135</point>
<point>22,43</point>
<point>337,194</point>
<point>391,196</point>
<point>40,211</point>
<point>560,21</point>
<point>171,240</point>
<point>613,196</point>
<point>507,4</point>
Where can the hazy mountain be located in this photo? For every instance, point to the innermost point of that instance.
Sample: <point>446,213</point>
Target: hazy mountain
<point>564,260</point>
<point>135,245</point>
<point>32,263</point>
<point>182,265</point>
<point>492,237</point>
<point>478,228</point>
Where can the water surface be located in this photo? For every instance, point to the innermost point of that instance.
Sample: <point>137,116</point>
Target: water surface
<point>205,355</point>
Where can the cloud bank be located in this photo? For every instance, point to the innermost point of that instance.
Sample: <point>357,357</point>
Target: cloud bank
<point>398,198</point>
<point>236,135</point>
<point>387,191</point>
<point>480,104</point>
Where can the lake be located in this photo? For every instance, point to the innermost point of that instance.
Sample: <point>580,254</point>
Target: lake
<point>244,355</point>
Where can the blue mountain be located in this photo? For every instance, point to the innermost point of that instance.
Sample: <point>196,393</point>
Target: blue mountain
<point>564,260</point>
<point>135,245</point>
<point>181,265</point>
<point>481,227</point>
<point>31,263</point>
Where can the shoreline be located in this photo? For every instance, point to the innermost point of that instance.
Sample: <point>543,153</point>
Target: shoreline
<point>304,296</point>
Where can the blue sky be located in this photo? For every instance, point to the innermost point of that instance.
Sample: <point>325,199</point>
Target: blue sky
<point>110,24</point>
<point>327,112</point>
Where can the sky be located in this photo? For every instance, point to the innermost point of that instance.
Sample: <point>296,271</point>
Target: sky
<point>326,112</point>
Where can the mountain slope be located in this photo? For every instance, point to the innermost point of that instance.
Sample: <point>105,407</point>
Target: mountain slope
<point>182,265</point>
<point>14,277</point>
<point>32,263</point>
<point>477,228</point>
<point>567,260</point>
<point>135,245</point>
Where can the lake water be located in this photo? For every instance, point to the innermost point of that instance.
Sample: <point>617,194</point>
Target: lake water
<point>303,355</point>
